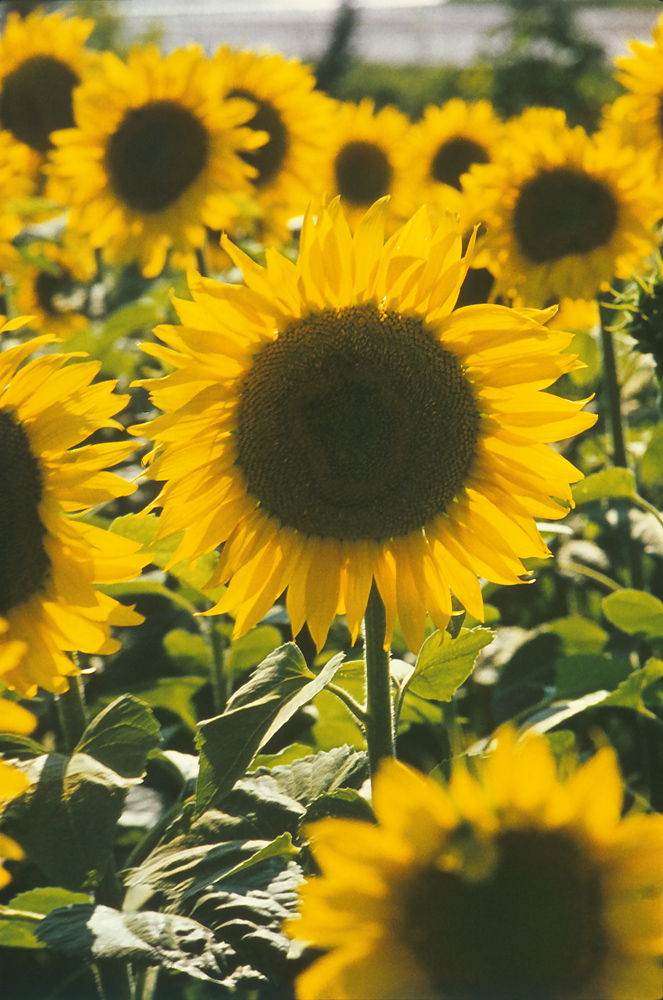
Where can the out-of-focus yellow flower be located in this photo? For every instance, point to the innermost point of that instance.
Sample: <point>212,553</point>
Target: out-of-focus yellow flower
<point>564,213</point>
<point>50,562</point>
<point>511,884</point>
<point>155,156</point>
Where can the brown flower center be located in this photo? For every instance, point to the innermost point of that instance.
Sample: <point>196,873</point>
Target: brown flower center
<point>454,158</point>
<point>24,563</point>
<point>48,286</point>
<point>363,173</point>
<point>563,211</point>
<point>530,930</point>
<point>36,100</point>
<point>268,158</point>
<point>356,423</point>
<point>155,155</point>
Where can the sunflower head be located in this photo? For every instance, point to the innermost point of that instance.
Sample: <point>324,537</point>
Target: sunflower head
<point>564,213</point>
<point>154,158</point>
<point>639,114</point>
<point>366,158</point>
<point>295,119</point>
<point>336,421</point>
<point>43,284</point>
<point>49,562</point>
<point>508,884</point>
<point>444,145</point>
<point>42,61</point>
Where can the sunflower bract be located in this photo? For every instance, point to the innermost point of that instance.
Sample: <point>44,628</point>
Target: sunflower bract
<point>511,884</point>
<point>336,421</point>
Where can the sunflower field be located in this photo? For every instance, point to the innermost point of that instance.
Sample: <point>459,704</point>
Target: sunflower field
<point>331,541</point>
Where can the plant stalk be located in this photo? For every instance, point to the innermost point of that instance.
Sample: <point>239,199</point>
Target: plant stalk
<point>613,391</point>
<point>379,717</point>
<point>72,713</point>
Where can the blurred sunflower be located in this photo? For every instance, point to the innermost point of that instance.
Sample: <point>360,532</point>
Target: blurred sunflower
<point>43,280</point>
<point>367,154</point>
<point>49,562</point>
<point>512,885</point>
<point>638,115</point>
<point>564,213</point>
<point>42,60</point>
<point>444,145</point>
<point>335,422</point>
<point>296,118</point>
<point>154,158</point>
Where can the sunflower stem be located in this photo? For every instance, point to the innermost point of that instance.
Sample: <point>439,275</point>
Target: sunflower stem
<point>202,263</point>
<point>613,391</point>
<point>219,675</point>
<point>72,713</point>
<point>379,715</point>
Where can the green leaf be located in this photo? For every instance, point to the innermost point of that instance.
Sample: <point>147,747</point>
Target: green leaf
<point>444,663</point>
<point>336,725</point>
<point>632,692</point>
<point>280,847</point>
<point>344,803</point>
<point>635,612</point>
<point>189,651</point>
<point>609,484</point>
<point>279,686</point>
<point>66,819</point>
<point>91,933</point>
<point>19,933</point>
<point>253,647</point>
<point>175,694</point>
<point>582,673</point>
<point>578,634</point>
<point>650,466</point>
<point>122,736</point>
<point>318,774</point>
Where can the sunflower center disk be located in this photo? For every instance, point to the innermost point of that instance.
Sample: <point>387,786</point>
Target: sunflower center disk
<point>24,563</point>
<point>363,173</point>
<point>356,424</point>
<point>155,154</point>
<point>562,212</point>
<point>36,100</point>
<point>454,158</point>
<point>268,158</point>
<point>531,930</point>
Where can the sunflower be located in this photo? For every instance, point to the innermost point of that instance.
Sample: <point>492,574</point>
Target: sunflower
<point>155,157</point>
<point>444,145</point>
<point>49,561</point>
<point>564,213</point>
<point>638,116</point>
<point>17,182</point>
<point>334,422</point>
<point>42,60</point>
<point>511,885</point>
<point>43,281</point>
<point>367,156</point>
<point>296,118</point>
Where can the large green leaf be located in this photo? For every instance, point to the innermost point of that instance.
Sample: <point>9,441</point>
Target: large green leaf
<point>17,931</point>
<point>279,686</point>
<point>582,673</point>
<point>635,612</point>
<point>634,691</point>
<point>66,819</point>
<point>122,736</point>
<point>318,774</point>
<point>578,634</point>
<point>444,663</point>
<point>608,484</point>
<point>176,695</point>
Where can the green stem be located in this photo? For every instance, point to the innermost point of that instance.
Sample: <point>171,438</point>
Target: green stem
<point>202,263</point>
<point>219,675</point>
<point>360,715</point>
<point>594,574</point>
<point>146,982</point>
<point>72,713</point>
<point>113,979</point>
<point>613,391</point>
<point>641,502</point>
<point>379,719</point>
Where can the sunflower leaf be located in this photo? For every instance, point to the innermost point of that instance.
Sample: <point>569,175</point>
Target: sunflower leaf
<point>17,931</point>
<point>635,612</point>
<point>122,736</point>
<point>444,663</point>
<point>609,484</point>
<point>279,686</point>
